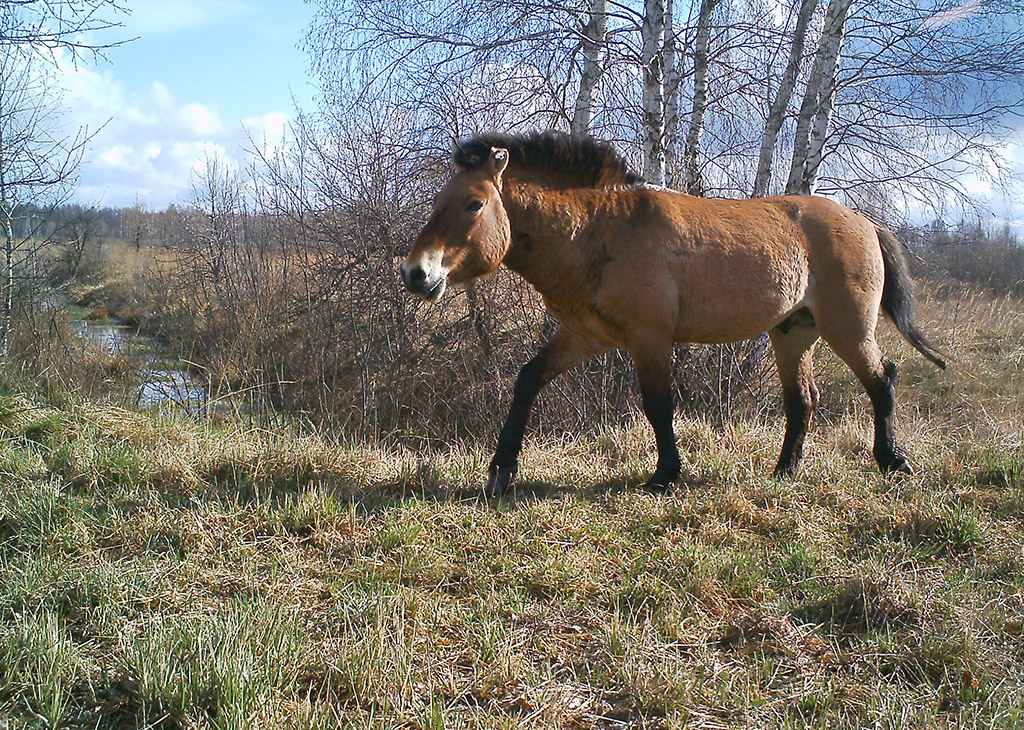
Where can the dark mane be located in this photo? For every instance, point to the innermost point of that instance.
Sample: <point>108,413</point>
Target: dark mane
<point>551,158</point>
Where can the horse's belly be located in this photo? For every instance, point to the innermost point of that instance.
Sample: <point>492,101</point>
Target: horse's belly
<point>718,332</point>
<point>718,316</point>
<point>735,292</point>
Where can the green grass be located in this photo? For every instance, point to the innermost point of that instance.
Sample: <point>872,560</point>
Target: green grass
<point>158,573</point>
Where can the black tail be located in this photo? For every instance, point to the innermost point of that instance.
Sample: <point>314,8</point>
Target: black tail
<point>898,296</point>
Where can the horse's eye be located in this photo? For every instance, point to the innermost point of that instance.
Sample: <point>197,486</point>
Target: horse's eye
<point>475,206</point>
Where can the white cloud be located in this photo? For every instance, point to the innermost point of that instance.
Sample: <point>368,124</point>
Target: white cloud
<point>952,15</point>
<point>157,17</point>
<point>268,129</point>
<point>977,187</point>
<point>151,143</point>
<point>202,120</point>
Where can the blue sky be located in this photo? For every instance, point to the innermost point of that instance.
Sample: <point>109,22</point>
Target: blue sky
<point>202,77</point>
<point>199,78</point>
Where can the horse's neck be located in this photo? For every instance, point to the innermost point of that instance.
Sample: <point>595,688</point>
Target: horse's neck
<point>546,250</point>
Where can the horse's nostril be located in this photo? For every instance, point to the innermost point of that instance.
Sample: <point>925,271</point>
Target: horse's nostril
<point>414,278</point>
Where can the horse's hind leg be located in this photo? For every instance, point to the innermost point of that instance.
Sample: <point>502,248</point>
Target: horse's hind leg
<point>878,376</point>
<point>882,390</point>
<point>793,342</point>
<point>654,373</point>
<point>563,351</point>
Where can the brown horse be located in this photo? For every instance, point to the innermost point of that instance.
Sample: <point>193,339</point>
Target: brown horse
<point>625,265</point>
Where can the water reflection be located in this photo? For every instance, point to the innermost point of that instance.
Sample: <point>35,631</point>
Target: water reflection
<point>160,385</point>
<point>114,339</point>
<point>172,386</point>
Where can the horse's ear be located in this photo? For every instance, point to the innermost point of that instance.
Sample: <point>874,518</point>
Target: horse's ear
<point>456,149</point>
<point>498,161</point>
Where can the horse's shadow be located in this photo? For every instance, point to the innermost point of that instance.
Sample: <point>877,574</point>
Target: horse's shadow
<point>426,483</point>
<point>435,489</point>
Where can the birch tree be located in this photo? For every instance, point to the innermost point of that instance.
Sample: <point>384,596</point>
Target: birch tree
<point>692,182</point>
<point>816,108</point>
<point>780,104</point>
<point>673,79</point>
<point>926,98</point>
<point>653,64</point>
<point>892,94</point>
<point>593,43</point>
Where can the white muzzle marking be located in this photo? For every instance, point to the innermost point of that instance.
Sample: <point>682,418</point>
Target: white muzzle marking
<point>427,277</point>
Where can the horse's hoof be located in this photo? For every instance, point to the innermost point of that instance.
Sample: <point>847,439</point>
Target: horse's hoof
<point>895,463</point>
<point>500,479</point>
<point>784,471</point>
<point>660,482</point>
<point>898,465</point>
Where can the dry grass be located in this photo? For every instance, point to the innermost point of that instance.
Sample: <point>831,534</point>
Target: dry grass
<point>166,574</point>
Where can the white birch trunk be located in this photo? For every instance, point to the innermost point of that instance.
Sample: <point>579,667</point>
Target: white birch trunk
<point>654,102</point>
<point>692,182</point>
<point>819,131</point>
<point>593,69</point>
<point>8,285</point>
<point>816,109</point>
<point>777,112</point>
<point>673,74</point>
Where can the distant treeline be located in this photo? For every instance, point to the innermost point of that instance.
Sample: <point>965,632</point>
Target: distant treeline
<point>972,254</point>
<point>60,222</point>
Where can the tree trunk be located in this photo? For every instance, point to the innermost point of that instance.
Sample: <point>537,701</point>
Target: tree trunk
<point>777,112</point>
<point>816,109</point>
<point>819,131</point>
<point>5,338</point>
<point>593,69</point>
<point>673,74</point>
<point>692,182</point>
<point>654,99</point>
<point>5,211</point>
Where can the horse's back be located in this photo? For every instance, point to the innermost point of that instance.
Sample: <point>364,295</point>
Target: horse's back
<point>741,267</point>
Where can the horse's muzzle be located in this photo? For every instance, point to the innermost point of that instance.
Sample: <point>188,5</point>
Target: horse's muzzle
<point>418,282</point>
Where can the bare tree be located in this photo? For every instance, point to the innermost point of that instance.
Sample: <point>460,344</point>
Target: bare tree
<point>692,182</point>
<point>37,164</point>
<point>36,167</point>
<point>135,223</point>
<point>780,104</point>
<point>478,64</point>
<point>816,108</point>
<point>459,66</point>
<point>923,95</point>
<point>49,26</point>
<point>593,41</point>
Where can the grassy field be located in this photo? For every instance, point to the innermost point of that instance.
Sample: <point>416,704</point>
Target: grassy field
<point>158,573</point>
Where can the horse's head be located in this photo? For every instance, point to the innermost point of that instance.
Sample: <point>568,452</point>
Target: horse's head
<point>467,235</point>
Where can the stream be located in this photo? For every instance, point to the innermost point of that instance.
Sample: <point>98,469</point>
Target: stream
<point>162,382</point>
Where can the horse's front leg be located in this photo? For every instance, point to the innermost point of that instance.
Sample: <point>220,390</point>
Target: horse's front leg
<point>654,373</point>
<point>563,351</point>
